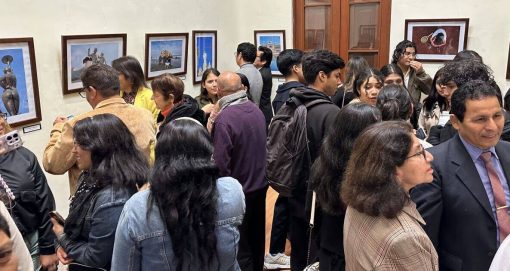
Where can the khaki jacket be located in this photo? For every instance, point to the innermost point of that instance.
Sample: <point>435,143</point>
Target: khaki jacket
<point>58,157</point>
<point>378,243</point>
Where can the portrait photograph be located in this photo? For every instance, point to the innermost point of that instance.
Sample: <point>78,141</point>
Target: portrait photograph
<point>274,40</point>
<point>165,53</point>
<point>18,82</point>
<point>204,53</point>
<point>81,51</point>
<point>437,39</point>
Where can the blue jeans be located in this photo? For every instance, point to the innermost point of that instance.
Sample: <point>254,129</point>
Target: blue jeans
<point>32,243</point>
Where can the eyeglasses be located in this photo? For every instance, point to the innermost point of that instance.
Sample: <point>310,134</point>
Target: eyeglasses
<point>409,54</point>
<point>3,116</point>
<point>422,152</point>
<point>82,92</point>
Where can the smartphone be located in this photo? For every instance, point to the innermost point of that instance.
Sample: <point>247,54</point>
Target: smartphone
<point>10,141</point>
<point>55,215</point>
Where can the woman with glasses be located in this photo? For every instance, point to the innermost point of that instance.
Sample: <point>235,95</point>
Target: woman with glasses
<point>133,88</point>
<point>326,176</point>
<point>29,200</point>
<point>367,85</point>
<point>189,218</point>
<point>382,229</point>
<point>112,170</point>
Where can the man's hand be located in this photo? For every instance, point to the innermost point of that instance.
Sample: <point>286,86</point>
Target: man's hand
<point>417,66</point>
<point>62,256</point>
<point>49,262</point>
<point>59,119</point>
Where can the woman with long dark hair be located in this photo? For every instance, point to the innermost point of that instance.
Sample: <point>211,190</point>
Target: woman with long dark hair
<point>367,85</point>
<point>113,168</point>
<point>436,107</point>
<point>189,218</point>
<point>382,229</point>
<point>344,93</point>
<point>133,87</point>
<point>326,177</point>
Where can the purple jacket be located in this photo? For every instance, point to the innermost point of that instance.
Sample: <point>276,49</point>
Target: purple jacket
<point>239,138</point>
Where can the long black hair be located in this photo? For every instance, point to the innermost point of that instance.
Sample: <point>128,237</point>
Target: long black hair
<point>116,159</point>
<point>183,185</point>
<point>434,96</point>
<point>328,168</point>
<point>132,70</point>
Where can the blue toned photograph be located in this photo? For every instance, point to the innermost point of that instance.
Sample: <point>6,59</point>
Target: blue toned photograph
<point>204,54</point>
<point>86,54</point>
<point>13,83</point>
<point>273,42</point>
<point>166,54</point>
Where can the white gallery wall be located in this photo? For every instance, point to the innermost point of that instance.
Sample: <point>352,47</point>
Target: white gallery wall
<point>488,34</point>
<point>46,21</point>
<point>235,21</point>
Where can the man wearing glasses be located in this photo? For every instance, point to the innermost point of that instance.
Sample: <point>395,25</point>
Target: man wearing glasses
<point>466,206</point>
<point>101,89</point>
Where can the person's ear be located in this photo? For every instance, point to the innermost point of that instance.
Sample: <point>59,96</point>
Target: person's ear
<point>92,92</point>
<point>455,121</point>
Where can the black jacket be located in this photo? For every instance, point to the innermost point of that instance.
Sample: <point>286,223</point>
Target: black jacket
<point>318,120</point>
<point>282,94</point>
<point>342,97</point>
<point>188,108</point>
<point>265,98</point>
<point>34,200</point>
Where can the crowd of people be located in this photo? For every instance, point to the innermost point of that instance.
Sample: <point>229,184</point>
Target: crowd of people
<point>160,180</point>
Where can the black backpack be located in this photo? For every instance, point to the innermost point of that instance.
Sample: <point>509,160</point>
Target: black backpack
<point>288,157</point>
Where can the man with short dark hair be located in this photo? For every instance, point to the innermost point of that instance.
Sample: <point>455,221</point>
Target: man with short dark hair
<point>239,139</point>
<point>466,206</point>
<point>321,71</point>
<point>102,91</point>
<point>245,56</point>
<point>263,63</point>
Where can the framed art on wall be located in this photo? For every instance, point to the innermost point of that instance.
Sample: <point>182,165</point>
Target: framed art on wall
<point>204,53</point>
<point>437,39</point>
<point>18,82</point>
<point>165,53</point>
<point>274,40</point>
<point>81,51</point>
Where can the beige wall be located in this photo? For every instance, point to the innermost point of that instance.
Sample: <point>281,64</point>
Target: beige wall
<point>488,34</point>
<point>235,21</point>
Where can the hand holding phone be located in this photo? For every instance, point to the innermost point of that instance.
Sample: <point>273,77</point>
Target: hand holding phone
<point>10,141</point>
<point>55,215</point>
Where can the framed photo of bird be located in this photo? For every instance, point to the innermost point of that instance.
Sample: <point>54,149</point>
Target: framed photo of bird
<point>18,82</point>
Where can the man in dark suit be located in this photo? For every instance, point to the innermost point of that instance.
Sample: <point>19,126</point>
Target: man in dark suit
<point>263,63</point>
<point>466,206</point>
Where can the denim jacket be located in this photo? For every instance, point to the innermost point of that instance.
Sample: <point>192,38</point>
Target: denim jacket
<point>142,241</point>
<point>95,244</point>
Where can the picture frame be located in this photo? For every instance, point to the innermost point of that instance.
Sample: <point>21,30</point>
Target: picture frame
<point>81,51</point>
<point>437,39</point>
<point>18,82</point>
<point>274,40</point>
<point>205,51</point>
<point>508,65</point>
<point>165,53</point>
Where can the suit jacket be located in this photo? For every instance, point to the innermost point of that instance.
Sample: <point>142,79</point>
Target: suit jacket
<point>379,243</point>
<point>455,206</point>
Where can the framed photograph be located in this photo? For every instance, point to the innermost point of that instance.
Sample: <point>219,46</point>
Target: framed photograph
<point>437,39</point>
<point>165,52</point>
<point>18,82</point>
<point>274,40</point>
<point>204,53</point>
<point>81,51</point>
<point>508,65</point>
